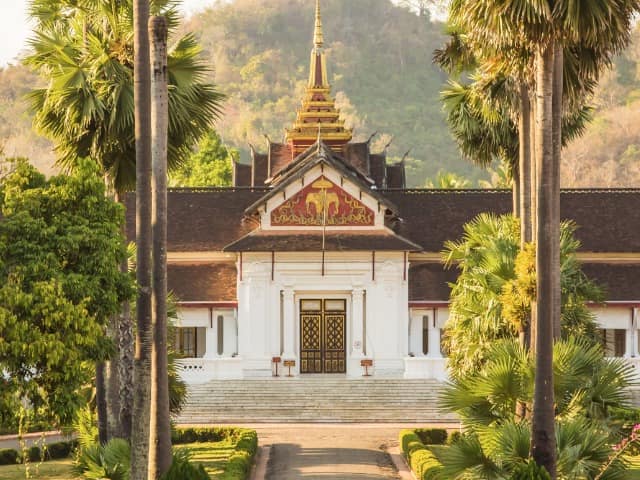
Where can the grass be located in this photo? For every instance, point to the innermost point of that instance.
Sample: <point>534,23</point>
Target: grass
<point>635,469</point>
<point>213,456</point>
<point>52,470</point>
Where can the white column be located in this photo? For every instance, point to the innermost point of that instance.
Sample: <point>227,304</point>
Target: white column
<point>633,348</point>
<point>211,337</point>
<point>289,307</point>
<point>628,338</point>
<point>434,337</point>
<point>357,322</point>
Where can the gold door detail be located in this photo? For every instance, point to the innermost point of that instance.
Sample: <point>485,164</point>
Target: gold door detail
<point>323,336</point>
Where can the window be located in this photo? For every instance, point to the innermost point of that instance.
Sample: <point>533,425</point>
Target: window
<point>220,334</point>
<point>188,342</point>
<point>425,334</point>
<point>614,342</point>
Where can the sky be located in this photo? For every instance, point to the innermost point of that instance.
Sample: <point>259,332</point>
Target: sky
<point>15,29</point>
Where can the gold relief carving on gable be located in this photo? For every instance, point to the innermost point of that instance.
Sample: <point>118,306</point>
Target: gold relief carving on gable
<point>322,203</point>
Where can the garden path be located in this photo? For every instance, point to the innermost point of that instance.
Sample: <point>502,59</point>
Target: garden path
<point>314,452</point>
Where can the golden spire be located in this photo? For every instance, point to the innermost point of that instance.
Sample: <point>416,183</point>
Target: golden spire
<point>318,119</point>
<point>318,38</point>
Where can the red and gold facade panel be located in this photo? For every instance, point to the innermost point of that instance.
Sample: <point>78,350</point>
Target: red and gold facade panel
<point>322,203</point>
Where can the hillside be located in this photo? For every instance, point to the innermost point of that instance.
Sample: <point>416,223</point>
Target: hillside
<point>382,75</point>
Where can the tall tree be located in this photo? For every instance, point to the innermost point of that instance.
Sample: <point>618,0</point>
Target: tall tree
<point>60,281</point>
<point>160,430</point>
<point>84,50</point>
<point>142,371</point>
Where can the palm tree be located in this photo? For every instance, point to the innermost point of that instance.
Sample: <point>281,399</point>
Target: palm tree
<point>448,181</point>
<point>548,27</point>
<point>85,50</point>
<point>160,430</point>
<point>142,98</point>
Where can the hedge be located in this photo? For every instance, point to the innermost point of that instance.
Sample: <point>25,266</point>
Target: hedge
<point>54,451</point>
<point>246,445</point>
<point>423,463</point>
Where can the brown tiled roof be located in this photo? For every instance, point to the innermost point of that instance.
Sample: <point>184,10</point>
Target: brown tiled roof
<point>430,282</point>
<point>280,155</point>
<point>395,176</point>
<point>357,154</point>
<point>378,169</point>
<point>203,283</point>
<point>262,241</point>
<point>241,175</point>
<point>621,282</point>
<point>608,220</point>
<point>202,220</point>
<point>260,169</point>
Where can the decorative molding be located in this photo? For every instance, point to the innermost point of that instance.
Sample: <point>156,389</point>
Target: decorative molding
<point>200,257</point>
<point>632,258</point>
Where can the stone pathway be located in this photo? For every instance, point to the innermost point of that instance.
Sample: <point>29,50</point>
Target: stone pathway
<point>320,452</point>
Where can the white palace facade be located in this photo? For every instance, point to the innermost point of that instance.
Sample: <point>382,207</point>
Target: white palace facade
<point>319,260</point>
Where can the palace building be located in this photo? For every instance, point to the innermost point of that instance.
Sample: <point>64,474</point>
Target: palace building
<point>319,259</point>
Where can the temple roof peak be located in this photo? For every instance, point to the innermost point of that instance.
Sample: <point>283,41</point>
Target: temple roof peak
<point>318,37</point>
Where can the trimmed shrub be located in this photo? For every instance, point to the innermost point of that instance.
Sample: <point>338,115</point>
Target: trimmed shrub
<point>432,436</point>
<point>424,464</point>
<point>34,454</point>
<point>60,450</point>
<point>454,437</point>
<point>8,456</point>
<point>409,441</point>
<point>201,435</point>
<point>239,465</point>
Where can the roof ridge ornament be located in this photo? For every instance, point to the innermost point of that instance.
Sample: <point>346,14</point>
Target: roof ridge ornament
<point>318,37</point>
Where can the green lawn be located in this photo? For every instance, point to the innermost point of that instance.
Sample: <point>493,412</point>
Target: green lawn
<point>635,472</point>
<point>52,470</point>
<point>212,455</point>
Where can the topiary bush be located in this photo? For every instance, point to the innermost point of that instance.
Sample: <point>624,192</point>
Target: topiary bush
<point>409,441</point>
<point>424,464</point>
<point>432,436</point>
<point>8,456</point>
<point>200,435</point>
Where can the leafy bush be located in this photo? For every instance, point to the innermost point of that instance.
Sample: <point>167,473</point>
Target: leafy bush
<point>201,435</point>
<point>409,441</point>
<point>432,436</point>
<point>8,456</point>
<point>239,465</point>
<point>34,454</point>
<point>111,461</point>
<point>183,469</point>
<point>424,464</point>
<point>454,437</point>
<point>530,471</point>
<point>59,450</point>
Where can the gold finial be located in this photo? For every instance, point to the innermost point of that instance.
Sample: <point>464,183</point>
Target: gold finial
<point>318,37</point>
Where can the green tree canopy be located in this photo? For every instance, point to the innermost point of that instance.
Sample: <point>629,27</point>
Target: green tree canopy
<point>60,280</point>
<point>210,165</point>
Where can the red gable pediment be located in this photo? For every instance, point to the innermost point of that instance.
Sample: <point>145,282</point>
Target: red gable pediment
<point>322,202</point>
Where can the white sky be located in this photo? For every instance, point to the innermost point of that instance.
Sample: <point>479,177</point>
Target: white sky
<point>14,26</point>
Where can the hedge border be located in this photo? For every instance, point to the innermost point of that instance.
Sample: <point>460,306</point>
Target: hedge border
<point>53,451</point>
<point>421,460</point>
<point>241,460</point>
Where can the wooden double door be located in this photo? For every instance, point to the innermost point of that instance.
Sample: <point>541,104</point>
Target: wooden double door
<point>323,336</point>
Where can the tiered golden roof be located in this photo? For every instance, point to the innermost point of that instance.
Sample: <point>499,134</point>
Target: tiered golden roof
<point>318,115</point>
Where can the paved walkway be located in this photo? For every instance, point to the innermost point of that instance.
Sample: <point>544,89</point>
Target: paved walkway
<point>321,452</point>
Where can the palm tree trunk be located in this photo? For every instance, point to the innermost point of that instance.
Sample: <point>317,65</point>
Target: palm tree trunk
<point>142,373</point>
<point>558,74</point>
<point>112,381</point>
<point>515,190</point>
<point>160,435</point>
<point>101,402</point>
<point>126,365</point>
<point>525,165</point>
<point>543,442</point>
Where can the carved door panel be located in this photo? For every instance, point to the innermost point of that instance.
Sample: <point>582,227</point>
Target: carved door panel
<point>323,336</point>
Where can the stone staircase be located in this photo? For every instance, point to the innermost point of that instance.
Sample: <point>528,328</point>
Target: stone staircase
<point>321,399</point>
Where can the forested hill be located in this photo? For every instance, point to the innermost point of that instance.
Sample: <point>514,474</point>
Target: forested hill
<point>379,60</point>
